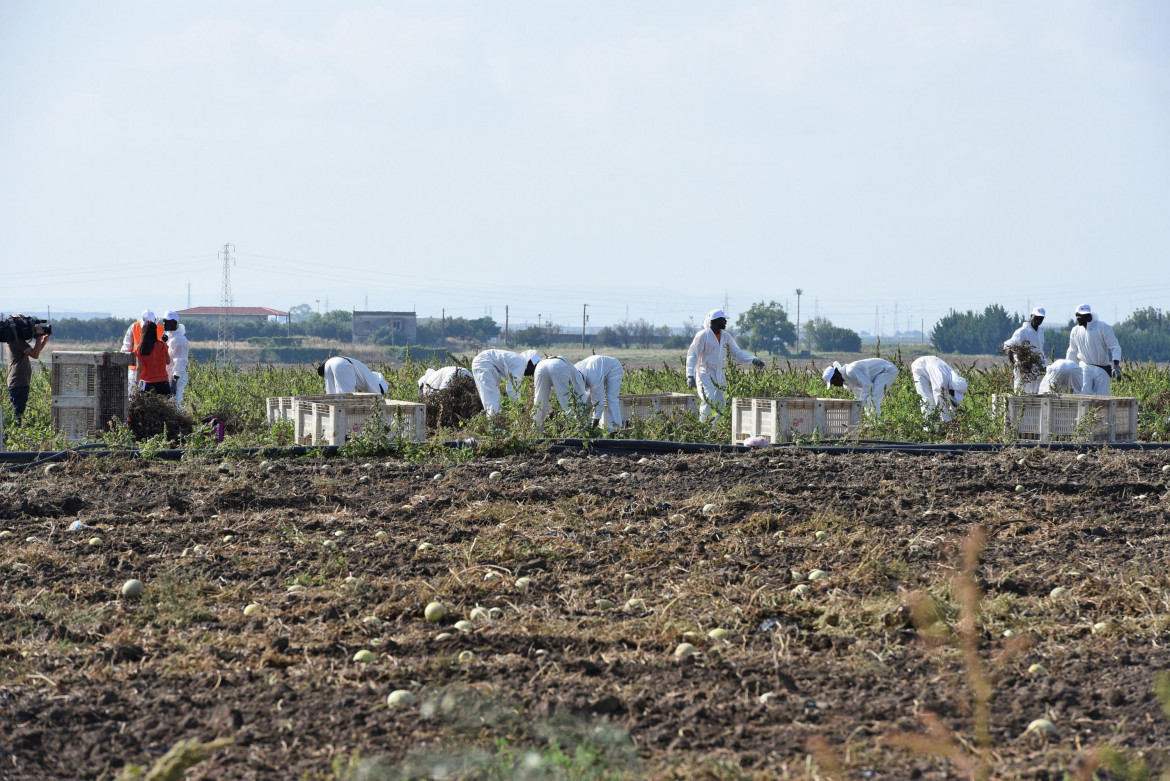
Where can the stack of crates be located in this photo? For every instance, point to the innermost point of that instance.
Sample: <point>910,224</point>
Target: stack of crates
<point>281,407</point>
<point>778,420</point>
<point>330,422</point>
<point>1068,417</point>
<point>89,389</point>
<point>645,405</point>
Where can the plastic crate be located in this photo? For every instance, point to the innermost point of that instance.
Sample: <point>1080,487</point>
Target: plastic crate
<point>1068,417</point>
<point>88,390</point>
<point>296,408</point>
<point>777,420</point>
<point>331,422</point>
<point>645,405</point>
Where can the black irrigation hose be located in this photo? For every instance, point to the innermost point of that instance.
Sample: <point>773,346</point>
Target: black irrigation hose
<point>26,459</point>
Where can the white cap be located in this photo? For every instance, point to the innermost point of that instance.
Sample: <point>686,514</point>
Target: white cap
<point>715,314</point>
<point>1084,309</point>
<point>959,386</point>
<point>147,316</point>
<point>171,315</point>
<point>827,374</point>
<point>1038,312</point>
<point>532,355</point>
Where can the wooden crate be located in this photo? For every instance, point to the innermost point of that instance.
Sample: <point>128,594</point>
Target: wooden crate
<point>1068,417</point>
<point>645,405</point>
<point>332,422</point>
<point>88,390</point>
<point>778,420</point>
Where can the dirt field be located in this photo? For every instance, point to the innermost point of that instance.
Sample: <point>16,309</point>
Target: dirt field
<point>625,564</point>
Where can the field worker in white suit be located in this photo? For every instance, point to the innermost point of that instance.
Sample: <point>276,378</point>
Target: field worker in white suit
<point>868,380</point>
<point>940,387</point>
<point>178,350</point>
<point>491,368</point>
<point>1030,334</point>
<point>346,375</point>
<point>706,358</point>
<point>435,380</point>
<point>603,383</point>
<point>1092,344</point>
<point>557,375</point>
<point>1062,374</point>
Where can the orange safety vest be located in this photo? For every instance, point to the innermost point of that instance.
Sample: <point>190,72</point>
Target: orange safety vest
<point>136,338</point>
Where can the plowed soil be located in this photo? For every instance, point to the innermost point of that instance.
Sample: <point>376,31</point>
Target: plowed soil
<point>627,558</point>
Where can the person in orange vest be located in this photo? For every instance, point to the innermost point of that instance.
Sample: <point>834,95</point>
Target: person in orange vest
<point>153,356</point>
<point>133,339</point>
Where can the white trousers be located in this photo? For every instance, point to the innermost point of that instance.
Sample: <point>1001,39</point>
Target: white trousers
<point>926,393</point>
<point>608,408</point>
<point>1019,386</point>
<point>711,401</point>
<point>179,385</point>
<point>556,375</point>
<point>881,383</point>
<point>1095,381</point>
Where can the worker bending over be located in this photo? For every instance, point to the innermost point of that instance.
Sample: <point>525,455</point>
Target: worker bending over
<point>1062,375</point>
<point>491,368</point>
<point>705,361</point>
<point>603,384</point>
<point>557,375</point>
<point>346,375</point>
<point>435,380</point>
<point>868,380</point>
<point>940,387</point>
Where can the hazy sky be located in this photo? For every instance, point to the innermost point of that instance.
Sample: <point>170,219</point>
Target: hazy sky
<point>658,155</point>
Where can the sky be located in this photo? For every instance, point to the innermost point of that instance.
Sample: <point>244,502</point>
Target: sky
<point>652,160</point>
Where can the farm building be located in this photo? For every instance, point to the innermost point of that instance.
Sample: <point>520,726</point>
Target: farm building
<point>256,314</point>
<point>402,324</point>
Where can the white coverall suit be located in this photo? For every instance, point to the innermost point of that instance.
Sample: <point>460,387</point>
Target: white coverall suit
<point>1062,373</point>
<point>1026,334</point>
<point>1094,347</point>
<point>869,379</point>
<point>933,379</point>
<point>603,384</point>
<point>345,375</point>
<point>179,350</point>
<point>705,361</point>
<point>559,375</point>
<point>492,367</point>
<point>437,379</point>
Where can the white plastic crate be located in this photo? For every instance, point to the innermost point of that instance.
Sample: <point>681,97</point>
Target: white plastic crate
<point>297,408</point>
<point>88,390</point>
<point>777,420</point>
<point>1068,417</point>
<point>332,422</point>
<point>645,405</point>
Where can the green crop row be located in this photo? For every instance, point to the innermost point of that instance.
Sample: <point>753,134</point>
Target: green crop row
<point>237,394</point>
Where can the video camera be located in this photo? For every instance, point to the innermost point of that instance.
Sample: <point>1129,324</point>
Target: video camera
<point>22,328</point>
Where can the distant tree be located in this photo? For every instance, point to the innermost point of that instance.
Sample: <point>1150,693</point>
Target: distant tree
<point>971,333</point>
<point>300,312</point>
<point>618,335</point>
<point>765,327</point>
<point>337,324</point>
<point>643,332</point>
<point>826,337</point>
<point>538,336</point>
<point>1148,319</point>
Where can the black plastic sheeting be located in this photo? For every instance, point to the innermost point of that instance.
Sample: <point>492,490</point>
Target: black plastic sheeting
<point>26,459</point>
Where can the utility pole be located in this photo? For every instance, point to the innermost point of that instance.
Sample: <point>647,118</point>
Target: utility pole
<point>443,331</point>
<point>223,348</point>
<point>505,325</point>
<point>799,293</point>
<point>188,295</point>
<point>584,319</point>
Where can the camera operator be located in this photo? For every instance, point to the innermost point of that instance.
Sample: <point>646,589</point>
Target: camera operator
<point>20,353</point>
